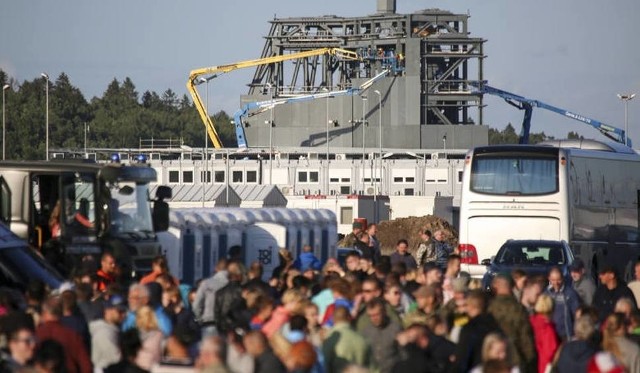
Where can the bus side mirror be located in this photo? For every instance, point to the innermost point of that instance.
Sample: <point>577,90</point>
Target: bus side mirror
<point>485,262</point>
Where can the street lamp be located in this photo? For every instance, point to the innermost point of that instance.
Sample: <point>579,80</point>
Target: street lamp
<point>364,122</point>
<point>4,142</point>
<point>626,98</point>
<point>46,146</point>
<point>379,137</point>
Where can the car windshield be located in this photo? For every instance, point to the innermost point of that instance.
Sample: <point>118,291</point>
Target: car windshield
<point>531,254</point>
<point>130,209</point>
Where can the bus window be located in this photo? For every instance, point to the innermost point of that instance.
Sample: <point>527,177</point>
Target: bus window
<point>514,175</point>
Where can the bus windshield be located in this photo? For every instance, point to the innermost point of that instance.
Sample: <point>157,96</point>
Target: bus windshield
<point>130,209</point>
<point>514,174</point>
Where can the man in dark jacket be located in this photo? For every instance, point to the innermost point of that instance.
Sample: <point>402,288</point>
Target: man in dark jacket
<point>381,333</point>
<point>609,291</point>
<point>566,301</point>
<point>574,355</point>
<point>414,353</point>
<point>229,299</point>
<point>402,255</point>
<point>469,349</point>
<point>257,346</point>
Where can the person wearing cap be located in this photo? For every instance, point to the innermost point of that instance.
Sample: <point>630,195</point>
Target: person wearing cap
<point>582,284</point>
<point>609,291</point>
<point>105,333</point>
<point>351,239</point>
<point>635,284</point>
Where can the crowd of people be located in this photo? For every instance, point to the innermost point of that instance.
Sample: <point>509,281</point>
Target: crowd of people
<point>411,311</point>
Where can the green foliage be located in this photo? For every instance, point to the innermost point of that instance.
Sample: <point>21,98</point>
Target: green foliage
<point>119,119</point>
<point>509,136</point>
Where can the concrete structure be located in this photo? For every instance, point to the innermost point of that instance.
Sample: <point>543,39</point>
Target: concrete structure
<point>424,102</point>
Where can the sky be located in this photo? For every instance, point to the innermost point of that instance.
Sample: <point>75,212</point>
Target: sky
<point>574,54</point>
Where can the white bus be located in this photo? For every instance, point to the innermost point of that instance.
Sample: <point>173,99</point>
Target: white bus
<point>582,191</point>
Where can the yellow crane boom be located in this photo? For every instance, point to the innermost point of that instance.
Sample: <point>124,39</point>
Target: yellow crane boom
<point>195,75</point>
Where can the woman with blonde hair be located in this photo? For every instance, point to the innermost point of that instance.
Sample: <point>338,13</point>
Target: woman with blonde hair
<point>615,341</point>
<point>150,336</point>
<point>544,332</point>
<point>495,350</point>
<point>291,305</point>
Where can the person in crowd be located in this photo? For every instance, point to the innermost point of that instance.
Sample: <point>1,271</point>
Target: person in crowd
<point>211,357</point>
<point>615,341</point>
<point>626,307</point>
<point>371,289</point>
<point>427,304</point>
<point>495,355</point>
<point>367,266</point>
<point>77,360</point>
<point>533,287</point>
<point>402,255</point>
<point>566,301</point>
<point>380,334</point>
<point>443,249</point>
<point>307,259</point>
<point>150,337</point>
<point>351,239</point>
<point>285,263</point>
<point>352,264</point>
<point>108,270</point>
<point>426,252</point>
<point>544,332</point>
<point>130,345</point>
<point>203,306</point>
<point>72,316</point>
<point>454,311</point>
<point>635,284</point>
<point>451,273</point>
<point>513,320</point>
<point>20,342</point>
<point>519,277</point>
<point>266,361</point>
<point>50,356</point>
<point>314,331</point>
<point>362,246</point>
<point>159,266</point>
<point>105,333</point>
<point>414,355</point>
<point>575,354</point>
<point>342,297</point>
<point>581,283</point>
<point>179,314</point>
<point>343,346</point>
<point>431,275</point>
<point>229,299</point>
<point>609,291</point>
<point>291,305</point>
<point>468,352</point>
<point>372,230</point>
<point>396,298</point>
<point>302,358</point>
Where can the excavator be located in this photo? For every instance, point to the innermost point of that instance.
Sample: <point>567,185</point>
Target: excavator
<point>197,76</point>
<point>616,134</point>
<point>262,106</point>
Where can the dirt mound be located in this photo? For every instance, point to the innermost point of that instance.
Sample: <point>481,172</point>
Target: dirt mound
<point>389,232</point>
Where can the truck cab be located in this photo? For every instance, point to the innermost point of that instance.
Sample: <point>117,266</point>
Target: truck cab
<point>70,209</point>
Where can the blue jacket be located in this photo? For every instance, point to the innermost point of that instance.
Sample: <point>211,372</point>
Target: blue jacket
<point>307,260</point>
<point>566,301</point>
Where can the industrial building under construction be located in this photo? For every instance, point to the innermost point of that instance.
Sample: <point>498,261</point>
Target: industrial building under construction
<point>424,99</point>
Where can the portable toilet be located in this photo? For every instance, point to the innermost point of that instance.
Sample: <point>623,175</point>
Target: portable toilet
<point>232,233</point>
<point>263,241</point>
<point>283,217</point>
<point>329,234</point>
<point>303,220</point>
<point>315,238</point>
<point>192,254</point>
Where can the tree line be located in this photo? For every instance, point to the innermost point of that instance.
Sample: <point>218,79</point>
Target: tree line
<point>118,119</point>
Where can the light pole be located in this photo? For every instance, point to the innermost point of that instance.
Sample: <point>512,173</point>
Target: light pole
<point>364,121</point>
<point>4,119</point>
<point>379,138</point>
<point>46,146</point>
<point>86,129</point>
<point>626,98</point>
<point>327,121</point>
<point>270,87</point>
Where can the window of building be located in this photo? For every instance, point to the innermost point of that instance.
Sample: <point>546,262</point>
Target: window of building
<point>460,173</point>
<point>174,176</point>
<point>398,179</point>
<point>187,176</point>
<point>334,180</point>
<point>302,177</point>
<point>236,176</point>
<point>313,176</point>
<point>345,190</point>
<point>252,176</point>
<point>205,176</point>
<point>345,180</point>
<point>408,191</point>
<point>346,215</point>
<point>218,176</point>
<point>409,179</point>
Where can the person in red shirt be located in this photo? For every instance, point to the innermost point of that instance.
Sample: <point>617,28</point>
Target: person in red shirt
<point>159,266</point>
<point>107,272</point>
<point>76,355</point>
